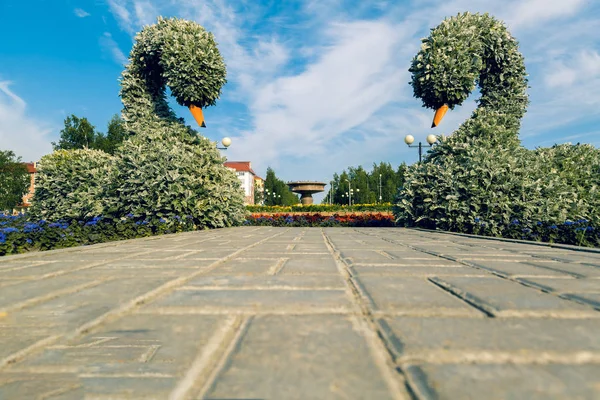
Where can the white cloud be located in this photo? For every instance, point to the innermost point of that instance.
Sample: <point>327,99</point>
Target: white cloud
<point>108,45</point>
<point>535,12</point>
<point>583,67</point>
<point>81,13</point>
<point>118,7</point>
<point>25,136</point>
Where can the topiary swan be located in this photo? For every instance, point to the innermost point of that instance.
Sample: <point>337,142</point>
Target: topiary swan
<point>165,169</point>
<point>480,178</point>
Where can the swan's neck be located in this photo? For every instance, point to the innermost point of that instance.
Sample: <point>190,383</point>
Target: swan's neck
<point>503,102</point>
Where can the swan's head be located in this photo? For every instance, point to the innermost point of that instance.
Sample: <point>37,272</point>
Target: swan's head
<point>183,56</point>
<point>446,69</point>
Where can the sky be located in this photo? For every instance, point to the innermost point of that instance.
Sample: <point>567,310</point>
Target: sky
<point>314,86</point>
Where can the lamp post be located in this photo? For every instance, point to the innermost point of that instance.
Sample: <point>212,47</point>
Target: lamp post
<point>226,143</point>
<point>409,139</point>
<point>331,193</point>
<point>349,193</point>
<point>380,188</point>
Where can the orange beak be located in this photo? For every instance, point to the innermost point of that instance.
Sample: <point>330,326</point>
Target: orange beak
<point>198,116</point>
<point>439,114</point>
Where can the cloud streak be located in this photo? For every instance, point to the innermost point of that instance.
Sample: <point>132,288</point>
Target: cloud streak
<point>20,133</point>
<point>81,13</point>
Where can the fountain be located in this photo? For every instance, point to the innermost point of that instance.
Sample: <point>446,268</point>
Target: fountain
<point>306,189</point>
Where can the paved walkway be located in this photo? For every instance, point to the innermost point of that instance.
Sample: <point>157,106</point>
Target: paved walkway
<point>301,313</point>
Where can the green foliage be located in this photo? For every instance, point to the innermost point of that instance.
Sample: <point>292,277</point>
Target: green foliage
<point>367,187</point>
<point>163,171</point>
<point>176,53</point>
<point>480,180</point>
<point>158,175</point>
<point>78,133</point>
<point>70,184</point>
<point>14,180</point>
<point>277,192</point>
<point>115,135</point>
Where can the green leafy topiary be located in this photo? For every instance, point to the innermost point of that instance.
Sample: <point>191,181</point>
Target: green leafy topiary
<point>480,178</point>
<point>164,169</point>
<point>70,184</point>
<point>161,176</point>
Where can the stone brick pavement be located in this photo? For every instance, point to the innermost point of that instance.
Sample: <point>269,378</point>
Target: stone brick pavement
<point>301,313</point>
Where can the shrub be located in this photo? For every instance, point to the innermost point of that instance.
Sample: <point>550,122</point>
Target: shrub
<point>161,175</point>
<point>69,184</point>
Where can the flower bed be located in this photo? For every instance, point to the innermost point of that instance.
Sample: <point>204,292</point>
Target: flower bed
<point>321,208</point>
<point>19,235</point>
<point>318,219</point>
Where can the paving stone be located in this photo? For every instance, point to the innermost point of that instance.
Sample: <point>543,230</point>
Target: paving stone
<point>139,356</point>
<point>291,301</point>
<point>20,263</point>
<point>29,289</point>
<point>578,257</point>
<point>59,386</point>
<point>578,270</point>
<point>134,264</point>
<point>247,266</point>
<point>417,271</point>
<point>278,282</point>
<point>511,268</point>
<point>501,297</point>
<point>505,381</point>
<point>411,295</point>
<point>593,299</point>
<point>66,313</point>
<point>451,339</point>
<point>301,357</point>
<point>318,266</point>
<point>564,285</point>
<point>40,271</point>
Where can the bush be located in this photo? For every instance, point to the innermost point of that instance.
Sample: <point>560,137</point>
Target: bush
<point>162,175</point>
<point>69,185</point>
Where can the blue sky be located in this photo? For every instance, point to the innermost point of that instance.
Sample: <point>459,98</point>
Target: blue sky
<point>314,86</point>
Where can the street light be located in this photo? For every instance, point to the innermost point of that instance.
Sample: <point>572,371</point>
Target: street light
<point>380,188</point>
<point>226,143</point>
<point>409,139</point>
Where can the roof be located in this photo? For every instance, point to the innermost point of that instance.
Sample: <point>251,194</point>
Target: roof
<point>258,178</point>
<point>240,166</point>
<point>30,167</point>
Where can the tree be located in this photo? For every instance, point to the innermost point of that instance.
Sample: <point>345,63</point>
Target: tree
<point>277,192</point>
<point>78,133</point>
<point>14,180</point>
<point>115,134</point>
<point>259,196</point>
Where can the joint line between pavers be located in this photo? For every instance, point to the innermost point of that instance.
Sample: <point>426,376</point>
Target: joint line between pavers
<point>471,265</point>
<point>380,351</point>
<point>40,344</point>
<point>467,297</point>
<point>274,270</point>
<point>211,359</point>
<point>53,295</point>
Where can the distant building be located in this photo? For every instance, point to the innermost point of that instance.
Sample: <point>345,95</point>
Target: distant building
<point>247,177</point>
